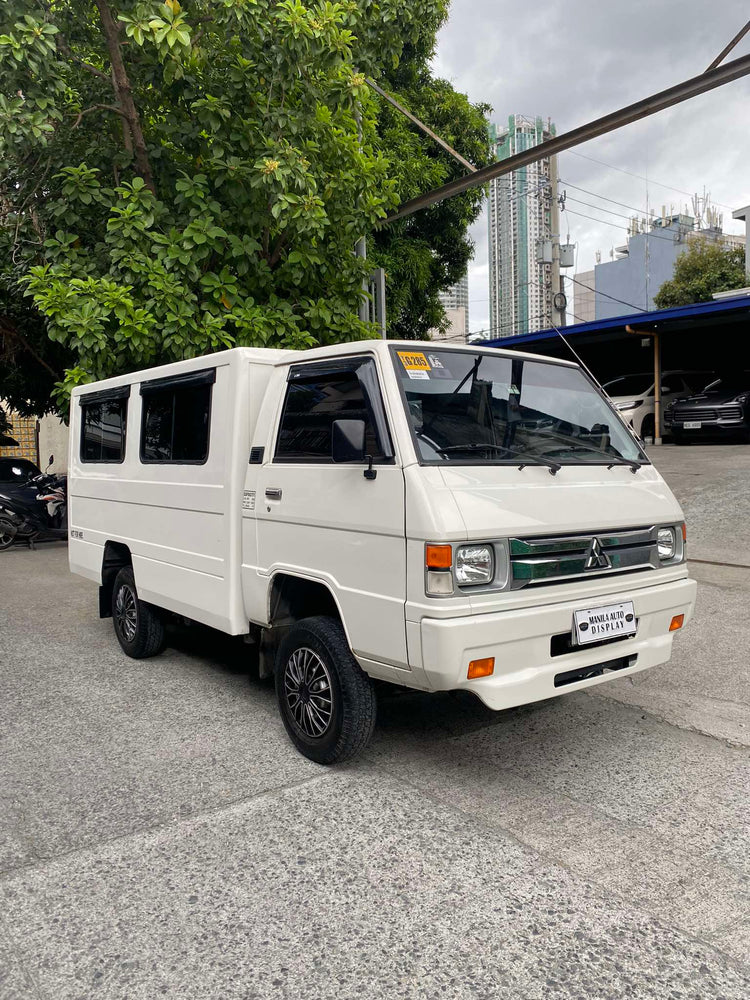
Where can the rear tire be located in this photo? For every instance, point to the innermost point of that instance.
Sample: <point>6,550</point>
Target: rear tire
<point>138,627</point>
<point>7,534</point>
<point>327,702</point>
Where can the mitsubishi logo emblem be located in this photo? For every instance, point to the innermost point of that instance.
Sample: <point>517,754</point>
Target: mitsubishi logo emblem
<point>597,558</point>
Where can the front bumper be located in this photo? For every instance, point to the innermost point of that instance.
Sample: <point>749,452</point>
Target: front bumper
<point>522,643</point>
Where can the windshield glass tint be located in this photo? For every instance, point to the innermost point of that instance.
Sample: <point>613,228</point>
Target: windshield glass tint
<point>630,385</point>
<point>474,408</point>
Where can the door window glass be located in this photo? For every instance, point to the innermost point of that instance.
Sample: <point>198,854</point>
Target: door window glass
<point>103,430</point>
<point>313,401</point>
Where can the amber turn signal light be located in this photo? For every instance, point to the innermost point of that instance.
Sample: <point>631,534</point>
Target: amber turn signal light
<point>684,532</point>
<point>481,668</point>
<point>677,622</point>
<point>438,556</point>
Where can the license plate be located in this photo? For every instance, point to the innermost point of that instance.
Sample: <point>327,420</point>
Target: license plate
<point>610,622</point>
<point>692,425</point>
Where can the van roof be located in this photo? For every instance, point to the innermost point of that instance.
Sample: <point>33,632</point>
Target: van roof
<point>270,356</point>
<point>383,346</point>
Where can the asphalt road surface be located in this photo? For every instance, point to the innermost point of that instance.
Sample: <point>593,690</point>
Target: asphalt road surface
<point>159,836</point>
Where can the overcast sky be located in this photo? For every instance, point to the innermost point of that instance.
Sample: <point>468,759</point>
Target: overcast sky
<point>576,61</point>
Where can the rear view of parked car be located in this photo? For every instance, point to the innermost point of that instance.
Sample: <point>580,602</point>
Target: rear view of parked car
<point>721,409</point>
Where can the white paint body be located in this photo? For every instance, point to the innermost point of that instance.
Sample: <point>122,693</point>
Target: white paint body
<point>198,551</point>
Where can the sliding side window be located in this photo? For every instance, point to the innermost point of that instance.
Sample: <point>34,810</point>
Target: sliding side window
<point>176,418</point>
<point>104,417</point>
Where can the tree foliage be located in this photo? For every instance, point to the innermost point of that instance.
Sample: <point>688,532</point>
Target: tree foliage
<point>704,268</point>
<point>180,179</point>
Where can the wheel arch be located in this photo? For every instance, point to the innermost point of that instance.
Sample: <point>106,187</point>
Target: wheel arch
<point>116,555</point>
<point>292,597</point>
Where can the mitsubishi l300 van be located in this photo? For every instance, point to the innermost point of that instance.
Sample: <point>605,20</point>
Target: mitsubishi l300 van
<point>441,518</point>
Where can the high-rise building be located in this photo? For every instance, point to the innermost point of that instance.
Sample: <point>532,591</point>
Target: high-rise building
<point>524,278</point>
<point>455,301</point>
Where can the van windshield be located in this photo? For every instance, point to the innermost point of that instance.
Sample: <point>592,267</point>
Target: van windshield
<point>468,407</point>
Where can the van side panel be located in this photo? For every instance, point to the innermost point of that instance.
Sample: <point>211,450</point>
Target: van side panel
<point>172,517</point>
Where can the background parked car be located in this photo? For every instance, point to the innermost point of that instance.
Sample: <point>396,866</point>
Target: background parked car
<point>633,395</point>
<point>15,472</point>
<point>721,409</point>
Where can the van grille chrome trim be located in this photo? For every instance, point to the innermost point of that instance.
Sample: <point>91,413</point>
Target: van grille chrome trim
<point>559,558</point>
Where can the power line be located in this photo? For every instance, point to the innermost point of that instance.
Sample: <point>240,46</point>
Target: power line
<point>615,225</point>
<point>648,180</point>
<point>603,197</point>
<point>606,296</point>
<point>598,208</point>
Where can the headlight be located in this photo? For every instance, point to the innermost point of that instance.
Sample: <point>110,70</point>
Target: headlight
<point>475,564</point>
<point>630,404</point>
<point>666,543</point>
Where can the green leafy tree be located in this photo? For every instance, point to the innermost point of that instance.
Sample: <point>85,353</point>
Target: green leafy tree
<point>430,250</point>
<point>176,180</point>
<point>704,268</point>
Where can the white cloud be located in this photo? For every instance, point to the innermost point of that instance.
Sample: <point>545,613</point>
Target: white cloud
<point>577,61</point>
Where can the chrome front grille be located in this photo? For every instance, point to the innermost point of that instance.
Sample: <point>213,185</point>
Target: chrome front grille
<point>558,558</point>
<point>682,413</point>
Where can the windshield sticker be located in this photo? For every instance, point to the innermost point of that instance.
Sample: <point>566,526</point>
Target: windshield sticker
<point>415,364</point>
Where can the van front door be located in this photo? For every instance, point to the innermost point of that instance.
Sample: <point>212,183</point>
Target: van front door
<point>326,521</point>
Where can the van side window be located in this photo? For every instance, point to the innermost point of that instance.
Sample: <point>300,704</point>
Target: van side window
<point>314,399</point>
<point>103,425</point>
<point>175,419</point>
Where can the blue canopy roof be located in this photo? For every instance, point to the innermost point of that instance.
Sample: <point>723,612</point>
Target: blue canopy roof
<point>654,319</point>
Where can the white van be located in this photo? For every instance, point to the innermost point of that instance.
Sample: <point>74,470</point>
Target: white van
<point>435,517</point>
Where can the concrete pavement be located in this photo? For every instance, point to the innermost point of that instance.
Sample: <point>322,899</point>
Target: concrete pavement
<point>160,837</point>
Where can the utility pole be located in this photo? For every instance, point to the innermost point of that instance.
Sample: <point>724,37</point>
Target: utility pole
<point>559,301</point>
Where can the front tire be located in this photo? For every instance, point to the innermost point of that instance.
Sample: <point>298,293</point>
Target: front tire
<point>327,702</point>
<point>138,627</point>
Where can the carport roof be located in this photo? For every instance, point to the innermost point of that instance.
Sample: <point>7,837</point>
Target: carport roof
<point>655,321</point>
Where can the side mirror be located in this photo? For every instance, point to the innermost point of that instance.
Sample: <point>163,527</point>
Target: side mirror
<point>49,463</point>
<point>348,441</point>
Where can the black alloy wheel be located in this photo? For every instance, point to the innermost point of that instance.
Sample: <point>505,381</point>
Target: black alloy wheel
<point>138,625</point>
<point>327,702</point>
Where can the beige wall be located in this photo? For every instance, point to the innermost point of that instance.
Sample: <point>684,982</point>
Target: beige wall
<point>53,440</point>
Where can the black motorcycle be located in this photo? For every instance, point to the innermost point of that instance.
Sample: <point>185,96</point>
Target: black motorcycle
<point>36,510</point>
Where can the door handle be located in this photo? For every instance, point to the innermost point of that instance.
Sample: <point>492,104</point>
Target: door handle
<point>273,493</point>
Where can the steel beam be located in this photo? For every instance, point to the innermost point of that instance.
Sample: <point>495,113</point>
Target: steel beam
<point>709,80</point>
<point>727,49</point>
<point>428,131</point>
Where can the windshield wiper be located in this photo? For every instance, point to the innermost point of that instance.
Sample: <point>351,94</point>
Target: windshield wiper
<point>634,466</point>
<point>526,459</point>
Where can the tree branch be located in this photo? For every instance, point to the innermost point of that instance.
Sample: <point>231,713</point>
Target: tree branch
<point>99,107</point>
<point>10,331</point>
<point>124,94</point>
<point>90,68</point>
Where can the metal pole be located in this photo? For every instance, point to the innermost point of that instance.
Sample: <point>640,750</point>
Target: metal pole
<point>725,52</point>
<point>360,247</point>
<point>633,112</point>
<point>657,389</point>
<point>428,131</point>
